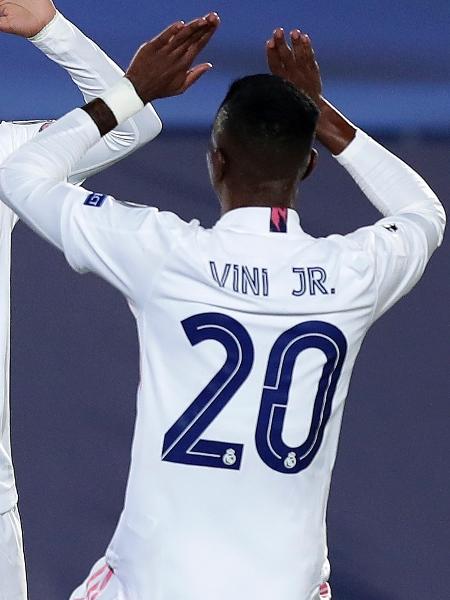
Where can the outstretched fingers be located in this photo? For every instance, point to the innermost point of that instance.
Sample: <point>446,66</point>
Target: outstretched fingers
<point>195,43</point>
<point>302,48</point>
<point>168,58</point>
<point>189,31</point>
<point>283,49</point>
<point>196,47</point>
<point>279,55</point>
<point>191,48</point>
<point>164,38</point>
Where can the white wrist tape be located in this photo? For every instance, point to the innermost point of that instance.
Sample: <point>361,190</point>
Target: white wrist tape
<point>123,100</point>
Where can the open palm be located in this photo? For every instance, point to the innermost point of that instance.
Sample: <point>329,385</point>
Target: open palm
<point>25,17</point>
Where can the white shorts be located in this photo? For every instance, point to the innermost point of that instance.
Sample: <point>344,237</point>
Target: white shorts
<point>13,581</point>
<point>101,584</point>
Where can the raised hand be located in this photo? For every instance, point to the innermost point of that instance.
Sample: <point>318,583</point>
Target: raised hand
<point>163,66</point>
<point>295,63</point>
<point>25,17</point>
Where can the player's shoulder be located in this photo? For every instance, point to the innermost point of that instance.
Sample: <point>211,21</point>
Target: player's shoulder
<point>166,221</point>
<point>381,241</point>
<point>352,242</point>
<point>172,222</point>
<point>364,238</point>
<point>109,212</point>
<point>357,249</point>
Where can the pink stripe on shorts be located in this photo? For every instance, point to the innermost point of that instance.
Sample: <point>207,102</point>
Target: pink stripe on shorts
<point>325,591</point>
<point>100,585</point>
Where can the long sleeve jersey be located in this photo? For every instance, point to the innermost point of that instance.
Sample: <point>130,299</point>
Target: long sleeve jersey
<point>248,336</point>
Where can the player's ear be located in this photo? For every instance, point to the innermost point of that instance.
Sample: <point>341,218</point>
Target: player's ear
<point>313,159</point>
<point>217,165</point>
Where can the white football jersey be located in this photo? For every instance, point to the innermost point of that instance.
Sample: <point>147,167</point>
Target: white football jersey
<point>93,72</point>
<point>248,335</point>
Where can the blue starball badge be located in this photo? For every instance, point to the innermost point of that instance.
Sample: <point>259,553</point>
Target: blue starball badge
<point>95,200</point>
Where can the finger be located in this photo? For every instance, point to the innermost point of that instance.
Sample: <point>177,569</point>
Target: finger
<point>194,75</point>
<point>196,44</point>
<point>307,48</point>
<point>298,47</point>
<point>165,36</point>
<point>282,48</point>
<point>189,30</point>
<point>302,49</point>
<point>213,18</point>
<point>192,40</point>
<point>273,59</point>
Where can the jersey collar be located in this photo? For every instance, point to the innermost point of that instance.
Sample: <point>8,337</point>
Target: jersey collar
<point>253,219</point>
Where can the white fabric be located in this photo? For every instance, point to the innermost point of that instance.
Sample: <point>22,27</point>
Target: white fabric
<point>408,204</point>
<point>13,585</point>
<point>93,72</point>
<point>123,100</point>
<point>197,522</point>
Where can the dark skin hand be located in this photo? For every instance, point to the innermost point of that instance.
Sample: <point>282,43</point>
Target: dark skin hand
<point>296,63</point>
<point>163,66</point>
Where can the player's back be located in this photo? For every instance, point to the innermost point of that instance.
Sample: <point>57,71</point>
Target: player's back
<point>248,334</point>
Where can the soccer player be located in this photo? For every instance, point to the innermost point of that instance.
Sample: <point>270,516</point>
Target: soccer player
<point>92,71</point>
<point>248,331</point>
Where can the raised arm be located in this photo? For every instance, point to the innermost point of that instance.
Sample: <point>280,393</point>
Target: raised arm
<point>401,244</point>
<point>391,185</point>
<point>31,181</point>
<point>90,69</point>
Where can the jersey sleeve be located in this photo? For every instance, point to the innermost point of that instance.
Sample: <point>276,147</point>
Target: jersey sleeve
<point>93,72</point>
<point>124,244</point>
<point>402,243</point>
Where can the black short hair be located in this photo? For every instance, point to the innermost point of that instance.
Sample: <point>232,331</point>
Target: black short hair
<point>271,121</point>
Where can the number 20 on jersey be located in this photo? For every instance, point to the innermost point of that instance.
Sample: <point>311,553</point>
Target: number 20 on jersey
<point>183,442</point>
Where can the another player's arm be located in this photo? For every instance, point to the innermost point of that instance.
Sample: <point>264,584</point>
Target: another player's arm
<point>90,69</point>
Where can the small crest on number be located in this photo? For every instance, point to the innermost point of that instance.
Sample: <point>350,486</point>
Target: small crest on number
<point>291,461</point>
<point>229,458</point>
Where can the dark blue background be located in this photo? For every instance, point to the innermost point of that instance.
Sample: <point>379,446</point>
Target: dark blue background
<point>74,348</point>
<point>387,62</point>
